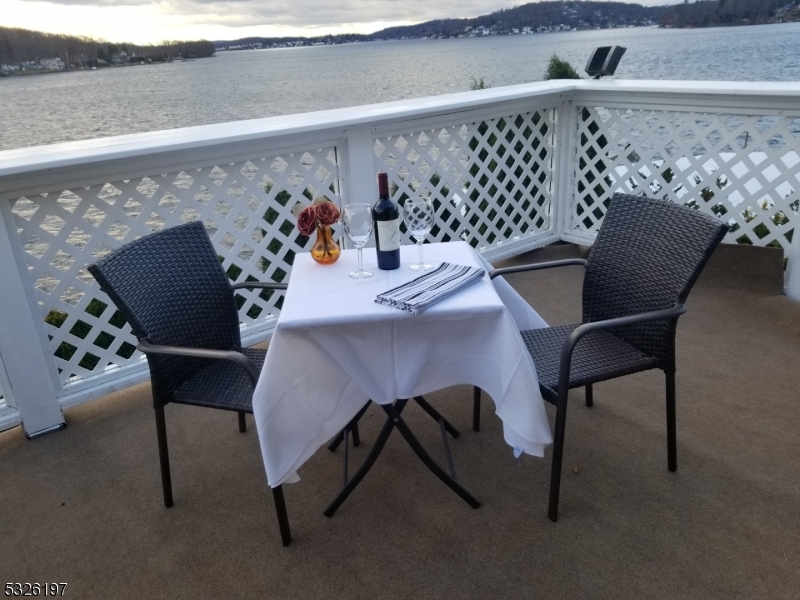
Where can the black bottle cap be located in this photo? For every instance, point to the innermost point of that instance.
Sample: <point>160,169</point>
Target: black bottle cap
<point>383,185</point>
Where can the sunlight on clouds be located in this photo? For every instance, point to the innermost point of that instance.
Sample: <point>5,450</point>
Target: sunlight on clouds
<point>137,24</point>
<point>152,23</point>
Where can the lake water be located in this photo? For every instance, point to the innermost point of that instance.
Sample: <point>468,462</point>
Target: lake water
<point>44,109</point>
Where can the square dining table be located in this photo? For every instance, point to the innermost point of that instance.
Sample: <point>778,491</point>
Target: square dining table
<point>334,349</point>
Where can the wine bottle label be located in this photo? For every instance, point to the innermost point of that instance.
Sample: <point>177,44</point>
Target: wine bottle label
<point>388,235</point>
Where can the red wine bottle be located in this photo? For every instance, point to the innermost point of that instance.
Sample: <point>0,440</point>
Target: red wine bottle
<point>386,218</point>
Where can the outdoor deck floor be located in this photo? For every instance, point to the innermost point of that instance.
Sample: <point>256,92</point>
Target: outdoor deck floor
<point>83,505</point>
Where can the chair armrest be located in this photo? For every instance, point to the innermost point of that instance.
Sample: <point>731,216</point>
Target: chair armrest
<point>537,266</point>
<point>237,357</point>
<point>569,344</point>
<point>260,284</point>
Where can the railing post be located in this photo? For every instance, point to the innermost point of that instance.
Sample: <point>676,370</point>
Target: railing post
<point>792,287</point>
<point>564,174</point>
<point>359,170</point>
<point>9,415</point>
<point>24,345</point>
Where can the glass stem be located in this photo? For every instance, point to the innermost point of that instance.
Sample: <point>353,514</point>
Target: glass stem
<point>419,245</point>
<point>360,264</point>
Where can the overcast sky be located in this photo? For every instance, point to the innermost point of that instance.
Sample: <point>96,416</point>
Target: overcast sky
<point>151,21</point>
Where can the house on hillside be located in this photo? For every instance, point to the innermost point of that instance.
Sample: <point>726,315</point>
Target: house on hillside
<point>54,64</point>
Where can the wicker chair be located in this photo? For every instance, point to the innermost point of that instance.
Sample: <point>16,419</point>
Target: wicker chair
<point>647,256</point>
<point>180,304</point>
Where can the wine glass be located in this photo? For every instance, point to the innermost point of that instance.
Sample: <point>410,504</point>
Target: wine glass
<point>419,216</point>
<point>358,227</point>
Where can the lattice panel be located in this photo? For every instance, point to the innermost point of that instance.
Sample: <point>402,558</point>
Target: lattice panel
<point>490,180</point>
<point>743,169</point>
<point>246,208</point>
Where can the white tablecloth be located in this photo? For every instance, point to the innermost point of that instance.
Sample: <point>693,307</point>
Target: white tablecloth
<point>334,348</point>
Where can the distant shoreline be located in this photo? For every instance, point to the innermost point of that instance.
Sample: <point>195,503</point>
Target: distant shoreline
<point>425,38</point>
<point>547,16</point>
<point>20,73</point>
<point>317,43</point>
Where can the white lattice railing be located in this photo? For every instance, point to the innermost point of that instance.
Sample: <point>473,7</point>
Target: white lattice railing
<point>245,207</point>
<point>741,167</point>
<point>509,169</point>
<point>490,179</point>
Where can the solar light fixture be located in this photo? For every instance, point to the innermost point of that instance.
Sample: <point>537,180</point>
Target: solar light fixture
<point>604,61</point>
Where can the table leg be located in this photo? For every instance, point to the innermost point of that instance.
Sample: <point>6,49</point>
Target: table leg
<point>405,430</point>
<point>437,416</point>
<point>353,424</point>
<point>394,419</point>
<point>380,442</point>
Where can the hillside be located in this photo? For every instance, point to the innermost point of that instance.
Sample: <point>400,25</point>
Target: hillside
<point>21,46</point>
<point>535,17</point>
<point>710,13</point>
<point>542,17</point>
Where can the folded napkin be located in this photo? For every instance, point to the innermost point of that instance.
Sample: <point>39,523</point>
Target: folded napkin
<point>422,292</point>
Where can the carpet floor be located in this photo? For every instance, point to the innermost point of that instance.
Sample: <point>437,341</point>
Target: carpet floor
<point>83,505</point>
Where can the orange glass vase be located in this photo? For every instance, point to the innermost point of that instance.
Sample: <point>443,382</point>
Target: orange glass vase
<point>325,251</point>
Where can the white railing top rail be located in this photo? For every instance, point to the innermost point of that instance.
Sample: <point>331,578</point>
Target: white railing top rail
<point>164,151</point>
<point>695,96</point>
<point>72,163</point>
<point>763,89</point>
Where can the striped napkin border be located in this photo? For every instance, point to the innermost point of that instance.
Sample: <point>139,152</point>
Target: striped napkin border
<point>430,288</point>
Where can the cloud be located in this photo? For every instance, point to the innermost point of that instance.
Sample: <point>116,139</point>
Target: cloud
<point>313,13</point>
<point>302,14</point>
<point>96,3</point>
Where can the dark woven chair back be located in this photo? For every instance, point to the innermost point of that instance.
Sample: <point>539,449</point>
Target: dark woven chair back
<point>647,256</point>
<point>173,291</point>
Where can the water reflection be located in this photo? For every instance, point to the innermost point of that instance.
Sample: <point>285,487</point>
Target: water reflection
<point>252,84</point>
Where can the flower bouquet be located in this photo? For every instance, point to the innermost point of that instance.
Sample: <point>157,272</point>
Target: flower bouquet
<point>319,216</point>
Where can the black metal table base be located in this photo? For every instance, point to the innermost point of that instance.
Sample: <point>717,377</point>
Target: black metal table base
<point>394,420</point>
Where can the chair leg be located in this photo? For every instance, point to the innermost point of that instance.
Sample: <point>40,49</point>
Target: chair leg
<point>589,397</point>
<point>351,426</point>
<point>476,409</point>
<point>672,442</point>
<point>242,423</point>
<point>558,453</point>
<point>336,441</point>
<point>283,517</point>
<point>163,455</point>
